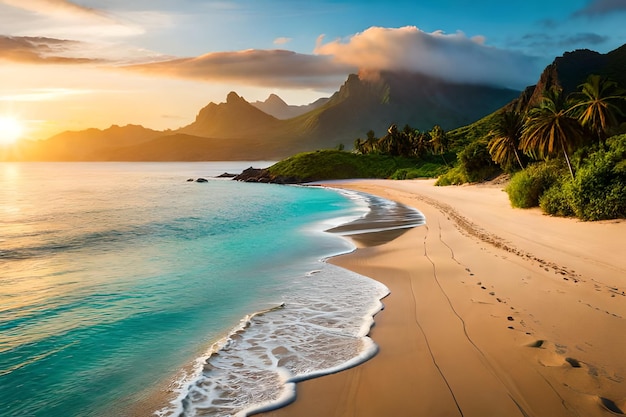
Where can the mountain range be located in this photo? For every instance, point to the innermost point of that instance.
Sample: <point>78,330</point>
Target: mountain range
<point>276,106</point>
<point>272,130</point>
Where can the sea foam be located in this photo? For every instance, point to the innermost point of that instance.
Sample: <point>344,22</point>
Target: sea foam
<point>320,328</point>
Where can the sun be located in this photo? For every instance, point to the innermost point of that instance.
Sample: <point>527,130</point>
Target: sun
<point>10,130</point>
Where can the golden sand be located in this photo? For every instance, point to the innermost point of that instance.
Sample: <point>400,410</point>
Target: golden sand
<point>493,311</point>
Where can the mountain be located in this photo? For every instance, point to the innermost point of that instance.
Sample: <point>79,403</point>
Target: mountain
<point>238,129</point>
<point>399,98</point>
<point>235,118</point>
<point>572,69</point>
<point>276,106</point>
<point>358,106</point>
<point>86,145</point>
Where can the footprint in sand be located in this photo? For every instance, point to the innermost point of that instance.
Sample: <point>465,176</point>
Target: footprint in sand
<point>612,406</point>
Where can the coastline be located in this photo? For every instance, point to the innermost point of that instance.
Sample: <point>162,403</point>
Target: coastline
<point>493,311</point>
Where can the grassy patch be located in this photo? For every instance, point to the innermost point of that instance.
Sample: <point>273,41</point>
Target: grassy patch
<point>334,164</point>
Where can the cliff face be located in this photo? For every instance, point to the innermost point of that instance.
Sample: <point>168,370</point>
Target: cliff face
<point>571,70</point>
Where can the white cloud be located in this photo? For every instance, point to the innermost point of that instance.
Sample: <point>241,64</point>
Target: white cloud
<point>454,57</point>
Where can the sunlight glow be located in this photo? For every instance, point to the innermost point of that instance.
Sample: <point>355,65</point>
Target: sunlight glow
<point>10,130</point>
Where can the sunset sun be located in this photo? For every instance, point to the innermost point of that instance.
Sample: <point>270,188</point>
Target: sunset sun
<point>10,130</point>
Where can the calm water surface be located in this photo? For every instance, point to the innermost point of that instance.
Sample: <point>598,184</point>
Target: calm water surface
<point>115,277</point>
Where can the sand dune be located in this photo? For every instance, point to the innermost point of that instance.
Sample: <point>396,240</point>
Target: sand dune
<point>493,311</point>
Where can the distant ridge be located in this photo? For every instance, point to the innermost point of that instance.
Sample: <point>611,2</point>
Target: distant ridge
<point>276,106</point>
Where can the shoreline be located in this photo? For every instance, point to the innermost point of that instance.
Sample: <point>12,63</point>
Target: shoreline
<point>493,311</point>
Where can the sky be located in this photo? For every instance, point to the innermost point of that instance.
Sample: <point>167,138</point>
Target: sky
<point>72,65</point>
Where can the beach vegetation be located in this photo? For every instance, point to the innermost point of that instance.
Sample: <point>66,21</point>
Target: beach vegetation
<point>505,139</point>
<point>565,154</point>
<point>453,176</point>
<point>527,186</point>
<point>336,164</point>
<point>407,142</point>
<point>556,200</point>
<point>550,129</point>
<point>597,192</point>
<point>476,162</point>
<point>597,106</point>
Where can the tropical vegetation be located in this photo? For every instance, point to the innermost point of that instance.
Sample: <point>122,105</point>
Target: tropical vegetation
<point>332,164</point>
<point>564,155</point>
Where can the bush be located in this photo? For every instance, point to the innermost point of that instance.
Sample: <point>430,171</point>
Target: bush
<point>527,186</point>
<point>599,189</point>
<point>454,176</point>
<point>476,163</point>
<point>557,200</point>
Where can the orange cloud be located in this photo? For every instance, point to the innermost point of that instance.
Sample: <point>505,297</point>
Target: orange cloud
<point>40,50</point>
<point>454,57</point>
<point>275,68</point>
<point>281,41</point>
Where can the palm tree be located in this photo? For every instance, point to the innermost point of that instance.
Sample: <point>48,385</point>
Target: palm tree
<point>505,138</point>
<point>550,129</point>
<point>370,142</point>
<point>359,146</point>
<point>596,105</point>
<point>439,142</point>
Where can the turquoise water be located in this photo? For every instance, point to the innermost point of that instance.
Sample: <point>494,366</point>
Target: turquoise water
<point>116,277</point>
<point>127,290</point>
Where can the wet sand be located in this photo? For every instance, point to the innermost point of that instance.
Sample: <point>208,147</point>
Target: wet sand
<point>493,311</point>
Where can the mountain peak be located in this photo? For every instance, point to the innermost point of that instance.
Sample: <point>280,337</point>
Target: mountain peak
<point>275,100</point>
<point>277,107</point>
<point>233,98</point>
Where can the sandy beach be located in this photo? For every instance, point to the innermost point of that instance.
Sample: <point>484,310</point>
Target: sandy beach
<point>493,311</point>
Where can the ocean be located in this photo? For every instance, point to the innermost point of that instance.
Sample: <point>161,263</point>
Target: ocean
<point>124,282</point>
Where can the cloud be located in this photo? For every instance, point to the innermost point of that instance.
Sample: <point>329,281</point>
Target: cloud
<point>545,42</point>
<point>66,18</point>
<point>42,94</point>
<point>453,57</point>
<point>39,50</point>
<point>597,8</point>
<point>270,68</point>
<point>281,41</point>
<point>56,8</point>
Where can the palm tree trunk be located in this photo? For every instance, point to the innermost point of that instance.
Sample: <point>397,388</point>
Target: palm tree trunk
<point>519,161</point>
<point>569,164</point>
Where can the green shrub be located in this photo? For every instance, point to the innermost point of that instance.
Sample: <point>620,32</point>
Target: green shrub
<point>599,189</point>
<point>454,176</point>
<point>557,200</point>
<point>527,186</point>
<point>476,162</point>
